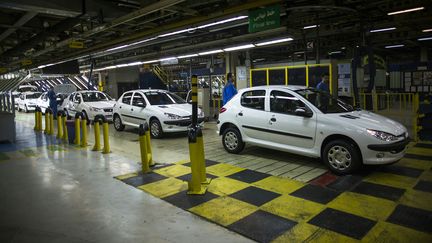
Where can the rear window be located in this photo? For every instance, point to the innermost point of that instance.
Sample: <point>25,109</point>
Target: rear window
<point>254,99</point>
<point>33,96</point>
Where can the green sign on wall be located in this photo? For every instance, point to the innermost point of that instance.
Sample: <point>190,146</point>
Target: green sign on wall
<point>264,19</point>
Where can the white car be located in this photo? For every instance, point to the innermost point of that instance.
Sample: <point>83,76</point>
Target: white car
<point>27,101</point>
<point>304,121</point>
<point>43,101</point>
<point>164,111</point>
<point>90,103</point>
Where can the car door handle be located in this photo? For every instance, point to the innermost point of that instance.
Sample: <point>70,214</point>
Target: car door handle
<point>273,119</point>
<point>240,113</point>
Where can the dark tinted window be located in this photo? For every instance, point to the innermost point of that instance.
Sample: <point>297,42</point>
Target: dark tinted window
<point>127,98</point>
<point>138,100</point>
<point>325,102</point>
<point>282,102</point>
<point>94,96</point>
<point>163,98</point>
<point>254,99</point>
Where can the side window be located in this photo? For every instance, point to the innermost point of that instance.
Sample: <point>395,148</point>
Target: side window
<point>282,102</point>
<point>138,100</point>
<point>254,99</point>
<point>127,98</point>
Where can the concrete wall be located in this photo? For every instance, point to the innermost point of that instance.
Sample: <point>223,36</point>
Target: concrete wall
<point>121,75</point>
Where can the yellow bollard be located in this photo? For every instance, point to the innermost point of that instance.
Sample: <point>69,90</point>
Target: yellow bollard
<point>65,130</point>
<point>47,126</point>
<point>148,144</point>
<point>59,126</point>
<point>106,148</point>
<point>84,132</point>
<point>51,124</point>
<point>36,126</point>
<point>195,184</point>
<point>40,121</point>
<point>201,157</point>
<point>145,154</point>
<point>97,145</point>
<point>77,139</point>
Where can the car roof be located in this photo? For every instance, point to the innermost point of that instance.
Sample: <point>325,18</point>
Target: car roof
<point>148,90</point>
<point>85,91</point>
<point>288,87</point>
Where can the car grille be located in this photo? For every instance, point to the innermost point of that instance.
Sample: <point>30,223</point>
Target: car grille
<point>108,110</point>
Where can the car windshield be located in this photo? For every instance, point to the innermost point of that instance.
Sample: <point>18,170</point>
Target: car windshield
<point>33,96</point>
<point>27,89</point>
<point>324,101</point>
<point>94,96</point>
<point>163,98</point>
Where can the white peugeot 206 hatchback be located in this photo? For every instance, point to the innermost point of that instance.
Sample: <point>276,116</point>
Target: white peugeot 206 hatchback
<point>305,121</point>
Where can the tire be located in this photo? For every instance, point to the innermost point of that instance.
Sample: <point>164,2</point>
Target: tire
<point>156,128</point>
<point>118,125</point>
<point>341,156</point>
<point>232,140</point>
<point>26,109</point>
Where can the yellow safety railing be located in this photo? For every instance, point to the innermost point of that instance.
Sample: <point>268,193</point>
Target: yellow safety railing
<point>386,101</point>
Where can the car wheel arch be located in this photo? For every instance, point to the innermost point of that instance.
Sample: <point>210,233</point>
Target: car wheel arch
<point>334,137</point>
<point>227,125</point>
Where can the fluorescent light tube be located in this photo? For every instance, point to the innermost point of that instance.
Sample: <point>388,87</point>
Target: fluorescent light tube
<point>152,61</point>
<point>406,11</point>
<point>239,47</point>
<point>167,59</point>
<point>59,80</point>
<point>274,42</point>
<point>381,30</point>
<point>222,21</point>
<point>335,52</point>
<point>425,38</point>
<point>394,46</point>
<point>81,82</point>
<point>177,32</point>
<point>310,27</point>
<point>186,56</point>
<point>134,63</point>
<point>427,30</point>
<point>118,47</point>
<point>210,52</point>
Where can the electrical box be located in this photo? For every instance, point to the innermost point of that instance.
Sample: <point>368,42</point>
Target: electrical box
<point>204,101</point>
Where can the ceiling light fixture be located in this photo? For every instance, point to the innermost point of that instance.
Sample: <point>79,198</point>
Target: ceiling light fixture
<point>81,82</point>
<point>222,21</point>
<point>335,52</point>
<point>406,11</point>
<point>381,30</point>
<point>394,46</point>
<point>186,56</point>
<point>152,61</point>
<point>427,30</point>
<point>59,80</point>
<point>274,41</point>
<point>310,27</point>
<point>210,52</point>
<point>425,38</point>
<point>234,48</point>
<point>74,83</point>
<point>167,59</point>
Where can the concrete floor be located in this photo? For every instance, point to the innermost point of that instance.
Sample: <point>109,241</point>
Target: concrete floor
<point>56,193</point>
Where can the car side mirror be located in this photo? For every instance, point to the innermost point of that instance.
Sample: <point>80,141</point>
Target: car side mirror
<point>303,112</point>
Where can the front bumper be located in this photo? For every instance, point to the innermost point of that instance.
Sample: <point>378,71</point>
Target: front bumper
<point>380,154</point>
<point>391,147</point>
<point>182,122</point>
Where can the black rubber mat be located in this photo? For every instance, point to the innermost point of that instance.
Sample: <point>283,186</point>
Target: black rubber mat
<point>343,223</point>
<point>262,226</point>
<point>416,156</point>
<point>402,170</point>
<point>186,201</point>
<point>188,177</point>
<point>249,176</point>
<point>376,190</point>
<point>207,161</point>
<point>424,145</point>
<point>316,193</point>
<point>425,186</point>
<point>415,218</point>
<point>143,179</point>
<point>345,183</point>
<point>255,196</point>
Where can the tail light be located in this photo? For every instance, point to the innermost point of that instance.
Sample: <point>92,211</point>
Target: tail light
<point>222,110</point>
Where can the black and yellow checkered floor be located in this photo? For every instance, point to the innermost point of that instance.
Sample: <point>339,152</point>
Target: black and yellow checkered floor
<point>383,204</point>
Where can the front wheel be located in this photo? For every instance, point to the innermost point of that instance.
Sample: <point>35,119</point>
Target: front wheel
<point>232,140</point>
<point>118,125</point>
<point>156,129</point>
<point>342,157</point>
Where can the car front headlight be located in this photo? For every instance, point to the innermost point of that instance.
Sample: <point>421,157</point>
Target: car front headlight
<point>382,135</point>
<point>95,109</point>
<point>172,116</point>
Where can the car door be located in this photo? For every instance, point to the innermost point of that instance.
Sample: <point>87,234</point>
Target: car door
<point>73,106</point>
<point>251,114</point>
<point>138,109</point>
<point>124,107</point>
<point>286,124</point>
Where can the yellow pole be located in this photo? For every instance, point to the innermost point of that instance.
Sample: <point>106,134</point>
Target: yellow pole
<point>97,145</point>
<point>364,101</point>
<point>201,157</point>
<point>77,139</point>
<point>65,130</point>
<point>36,126</point>
<point>47,126</point>
<point>59,127</point>
<point>51,124</point>
<point>375,101</point>
<point>194,185</point>
<point>106,148</point>
<point>39,121</point>
<point>84,132</point>
<point>145,163</point>
<point>149,148</point>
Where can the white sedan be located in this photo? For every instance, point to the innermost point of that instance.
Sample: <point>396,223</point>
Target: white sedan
<point>43,101</point>
<point>164,111</point>
<point>90,103</point>
<point>27,101</point>
<point>304,121</point>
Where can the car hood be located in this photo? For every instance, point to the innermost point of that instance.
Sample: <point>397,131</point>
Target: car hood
<point>370,120</point>
<point>32,100</point>
<point>101,104</point>
<point>178,109</point>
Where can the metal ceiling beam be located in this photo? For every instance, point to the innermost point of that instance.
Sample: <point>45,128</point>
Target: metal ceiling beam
<point>30,6</point>
<point>24,19</point>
